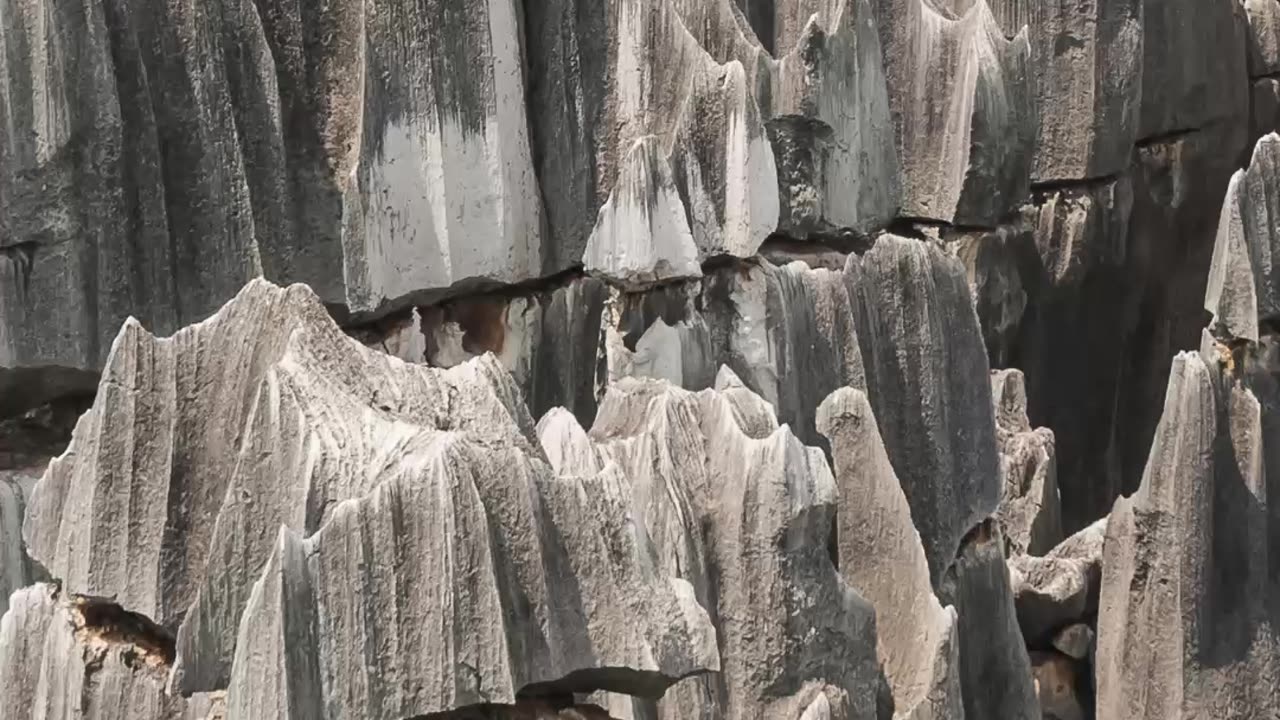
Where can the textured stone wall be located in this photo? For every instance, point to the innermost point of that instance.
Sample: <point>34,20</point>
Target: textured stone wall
<point>640,359</point>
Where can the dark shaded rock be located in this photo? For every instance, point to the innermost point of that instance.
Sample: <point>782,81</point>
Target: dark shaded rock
<point>1088,68</point>
<point>927,379</point>
<point>995,673</point>
<point>1194,72</point>
<point>1057,680</point>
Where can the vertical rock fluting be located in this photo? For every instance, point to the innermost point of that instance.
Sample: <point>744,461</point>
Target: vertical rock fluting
<point>881,552</point>
<point>962,100</point>
<point>927,379</point>
<point>748,261</point>
<point>1188,603</point>
<point>794,637</point>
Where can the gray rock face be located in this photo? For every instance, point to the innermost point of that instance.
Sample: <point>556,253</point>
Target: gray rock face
<point>927,379</point>
<point>1029,514</point>
<point>1187,602</point>
<point>16,570</point>
<point>74,657</point>
<point>550,340</point>
<point>1193,73</point>
<point>265,501</point>
<point>1061,588</point>
<point>962,99</point>
<point>882,554</point>
<point>995,672</point>
<point>1263,36</point>
<point>795,640</point>
<point>170,158</point>
<point>1242,293</point>
<point>1087,60</point>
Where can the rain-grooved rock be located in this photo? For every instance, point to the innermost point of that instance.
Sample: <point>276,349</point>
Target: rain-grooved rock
<point>666,143</point>
<point>74,657</point>
<point>881,554</point>
<point>1242,292</point>
<point>927,379</point>
<point>266,426</point>
<point>15,567</point>
<point>1188,602</point>
<point>796,641</point>
<point>537,584</point>
<point>995,673</point>
<point>1087,60</point>
<point>156,159</point>
<point>962,99</point>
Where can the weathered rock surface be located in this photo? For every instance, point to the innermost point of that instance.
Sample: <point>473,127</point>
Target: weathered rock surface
<point>927,380</point>
<point>1263,36</point>
<point>257,450</point>
<point>1029,514</point>
<point>795,639</point>
<point>1188,603</point>
<point>66,656</point>
<point>995,672</point>
<point>1242,293</point>
<point>1193,73</point>
<point>16,569</point>
<point>963,104</point>
<point>882,554</point>
<point>1060,588</point>
<point>1087,64</point>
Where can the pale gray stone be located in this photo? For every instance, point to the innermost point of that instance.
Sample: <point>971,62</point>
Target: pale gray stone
<point>16,569</point>
<point>881,553</point>
<point>1242,293</point>
<point>794,637</point>
<point>1187,610</point>
<point>72,658</point>
<point>1060,588</point>
<point>1263,36</point>
<point>1029,515</point>
<point>963,105</point>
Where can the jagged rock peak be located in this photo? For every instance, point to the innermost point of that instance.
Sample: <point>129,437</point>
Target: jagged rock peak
<point>927,379</point>
<point>1187,612</point>
<point>882,555</point>
<point>1243,292</point>
<point>795,638</point>
<point>316,479</point>
<point>1030,514</point>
